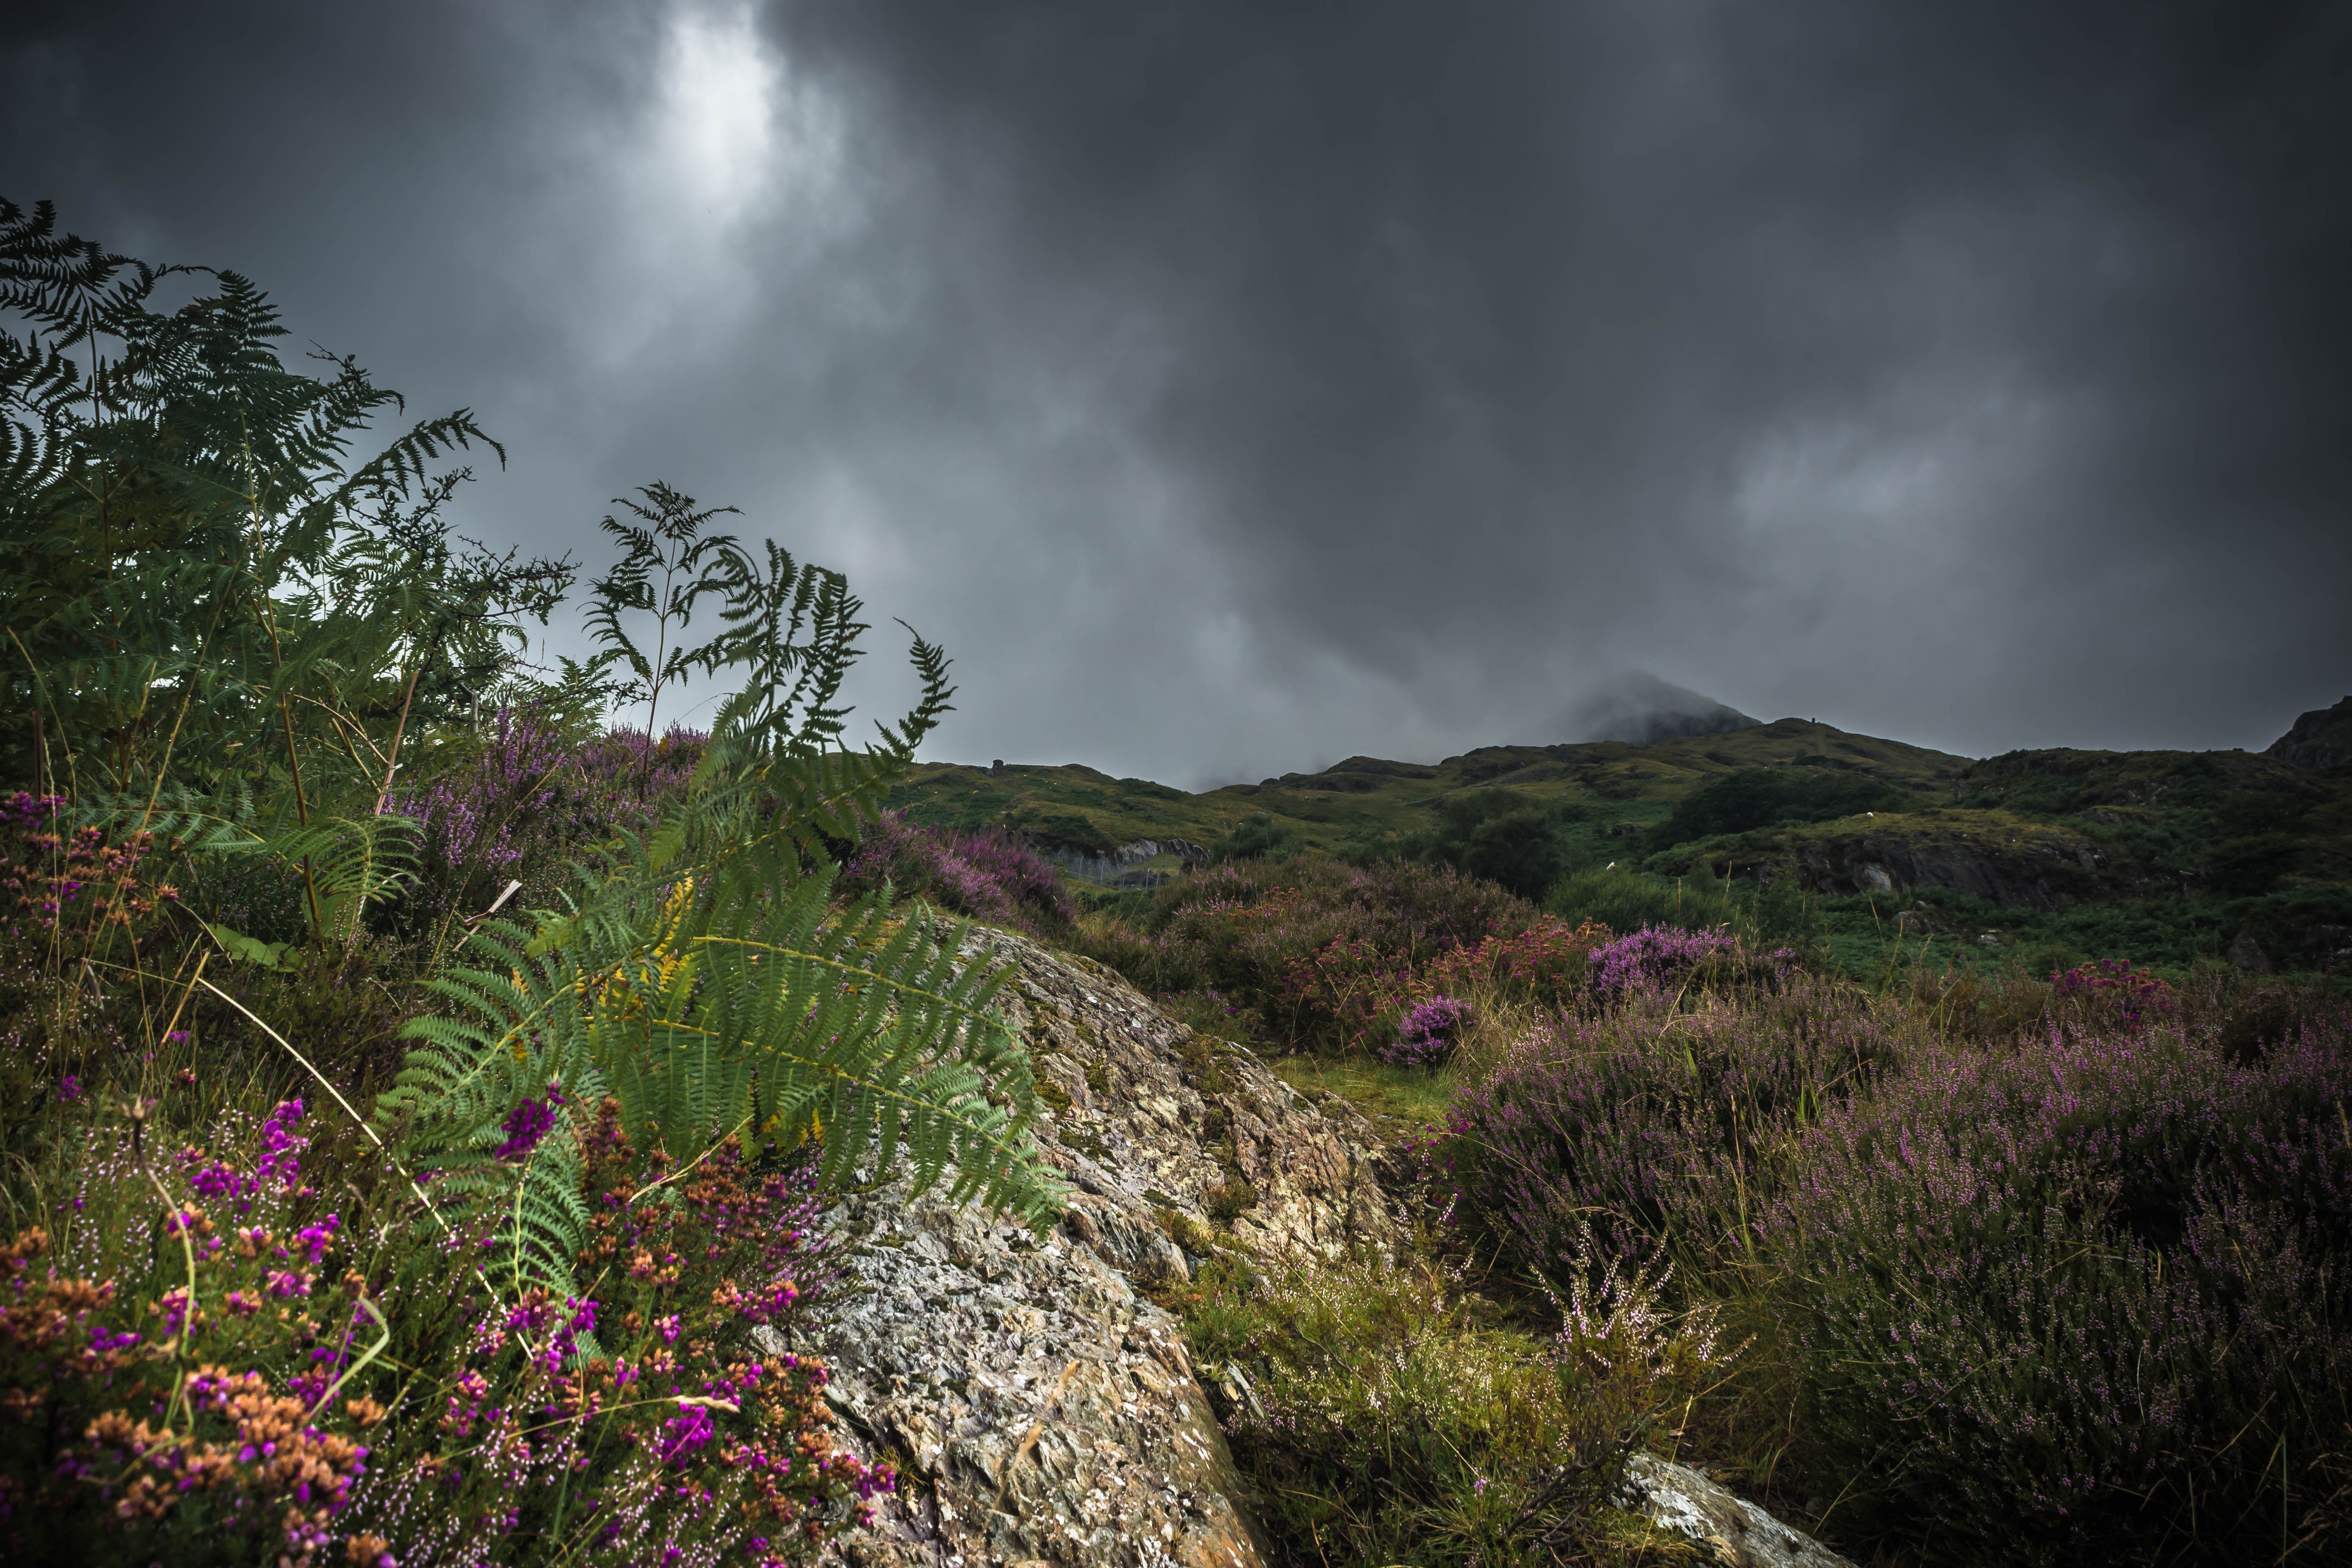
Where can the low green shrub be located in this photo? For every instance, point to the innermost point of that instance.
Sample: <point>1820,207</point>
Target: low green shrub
<point>1765,797</point>
<point>1510,840</point>
<point>1261,835</point>
<point>1387,1416</point>
<point>1625,900</point>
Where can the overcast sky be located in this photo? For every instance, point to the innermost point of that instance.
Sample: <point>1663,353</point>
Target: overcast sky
<point>1232,388</point>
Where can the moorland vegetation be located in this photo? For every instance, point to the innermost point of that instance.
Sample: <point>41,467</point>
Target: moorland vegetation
<point>1951,1265</point>
<point>422,1093</point>
<point>418,1094</point>
<point>2059,857</point>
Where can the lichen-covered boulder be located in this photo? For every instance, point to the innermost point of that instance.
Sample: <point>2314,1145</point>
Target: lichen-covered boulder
<point>1734,1531</point>
<point>1041,1406</point>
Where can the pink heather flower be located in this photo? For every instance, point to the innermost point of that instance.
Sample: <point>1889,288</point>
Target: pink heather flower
<point>315,1239</point>
<point>286,1284</point>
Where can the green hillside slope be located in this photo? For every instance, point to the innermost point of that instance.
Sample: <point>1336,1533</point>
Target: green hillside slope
<point>2155,856</point>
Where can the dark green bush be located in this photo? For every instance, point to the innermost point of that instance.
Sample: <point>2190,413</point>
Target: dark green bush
<point>1625,900</point>
<point>1510,840</point>
<point>1261,835</point>
<point>1765,797</point>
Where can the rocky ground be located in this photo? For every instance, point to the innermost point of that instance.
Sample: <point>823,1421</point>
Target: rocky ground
<point>1042,1407</point>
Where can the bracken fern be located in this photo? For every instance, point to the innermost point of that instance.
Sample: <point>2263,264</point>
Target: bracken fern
<point>705,984</point>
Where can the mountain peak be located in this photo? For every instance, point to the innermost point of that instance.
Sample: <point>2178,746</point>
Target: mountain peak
<point>1638,708</point>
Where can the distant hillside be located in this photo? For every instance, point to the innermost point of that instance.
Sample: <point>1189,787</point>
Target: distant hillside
<point>1365,804</point>
<point>2155,855</point>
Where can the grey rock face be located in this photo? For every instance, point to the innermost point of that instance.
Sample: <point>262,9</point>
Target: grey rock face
<point>2248,956</point>
<point>1118,864</point>
<point>2320,738</point>
<point>1738,1533</point>
<point>2326,944</point>
<point>1043,1409</point>
<point>2040,872</point>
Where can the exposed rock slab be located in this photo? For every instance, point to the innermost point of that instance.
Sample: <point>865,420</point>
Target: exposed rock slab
<point>1042,1408</point>
<point>2036,868</point>
<point>2319,739</point>
<point>1679,1499</point>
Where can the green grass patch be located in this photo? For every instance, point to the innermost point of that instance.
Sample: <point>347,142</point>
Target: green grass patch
<point>1413,1096</point>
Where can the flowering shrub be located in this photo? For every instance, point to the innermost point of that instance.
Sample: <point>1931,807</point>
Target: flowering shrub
<point>1650,1122</point>
<point>1349,992</point>
<point>287,1377</point>
<point>1325,956</point>
<point>2112,991</point>
<point>1375,1003</point>
<point>2084,1278</point>
<point>1253,930</point>
<point>1647,959</point>
<point>989,875</point>
<point>529,801</point>
<point>1545,962</point>
<point>1425,1034</point>
<point>70,885</point>
<point>2093,1287</point>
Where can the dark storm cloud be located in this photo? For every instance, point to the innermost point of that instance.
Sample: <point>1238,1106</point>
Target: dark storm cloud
<point>1237,387</point>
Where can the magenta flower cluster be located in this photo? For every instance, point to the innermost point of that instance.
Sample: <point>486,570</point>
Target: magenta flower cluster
<point>530,1122</point>
<point>992,875</point>
<point>1648,958</point>
<point>1425,1034</point>
<point>282,1147</point>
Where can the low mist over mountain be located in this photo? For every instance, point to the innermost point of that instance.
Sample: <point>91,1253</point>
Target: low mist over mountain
<point>1642,711</point>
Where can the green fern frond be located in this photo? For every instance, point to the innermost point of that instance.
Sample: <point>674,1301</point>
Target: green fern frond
<point>351,862</point>
<point>710,987</point>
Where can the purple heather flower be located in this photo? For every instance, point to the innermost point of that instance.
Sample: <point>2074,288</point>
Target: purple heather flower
<point>528,1123</point>
<point>1647,958</point>
<point>1427,1033</point>
<point>684,1433</point>
<point>281,1155</point>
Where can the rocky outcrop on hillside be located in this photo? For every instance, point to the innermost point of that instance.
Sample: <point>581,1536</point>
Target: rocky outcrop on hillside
<point>1042,1408</point>
<point>2319,739</point>
<point>1121,865</point>
<point>2037,869</point>
<point>1733,1532</point>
